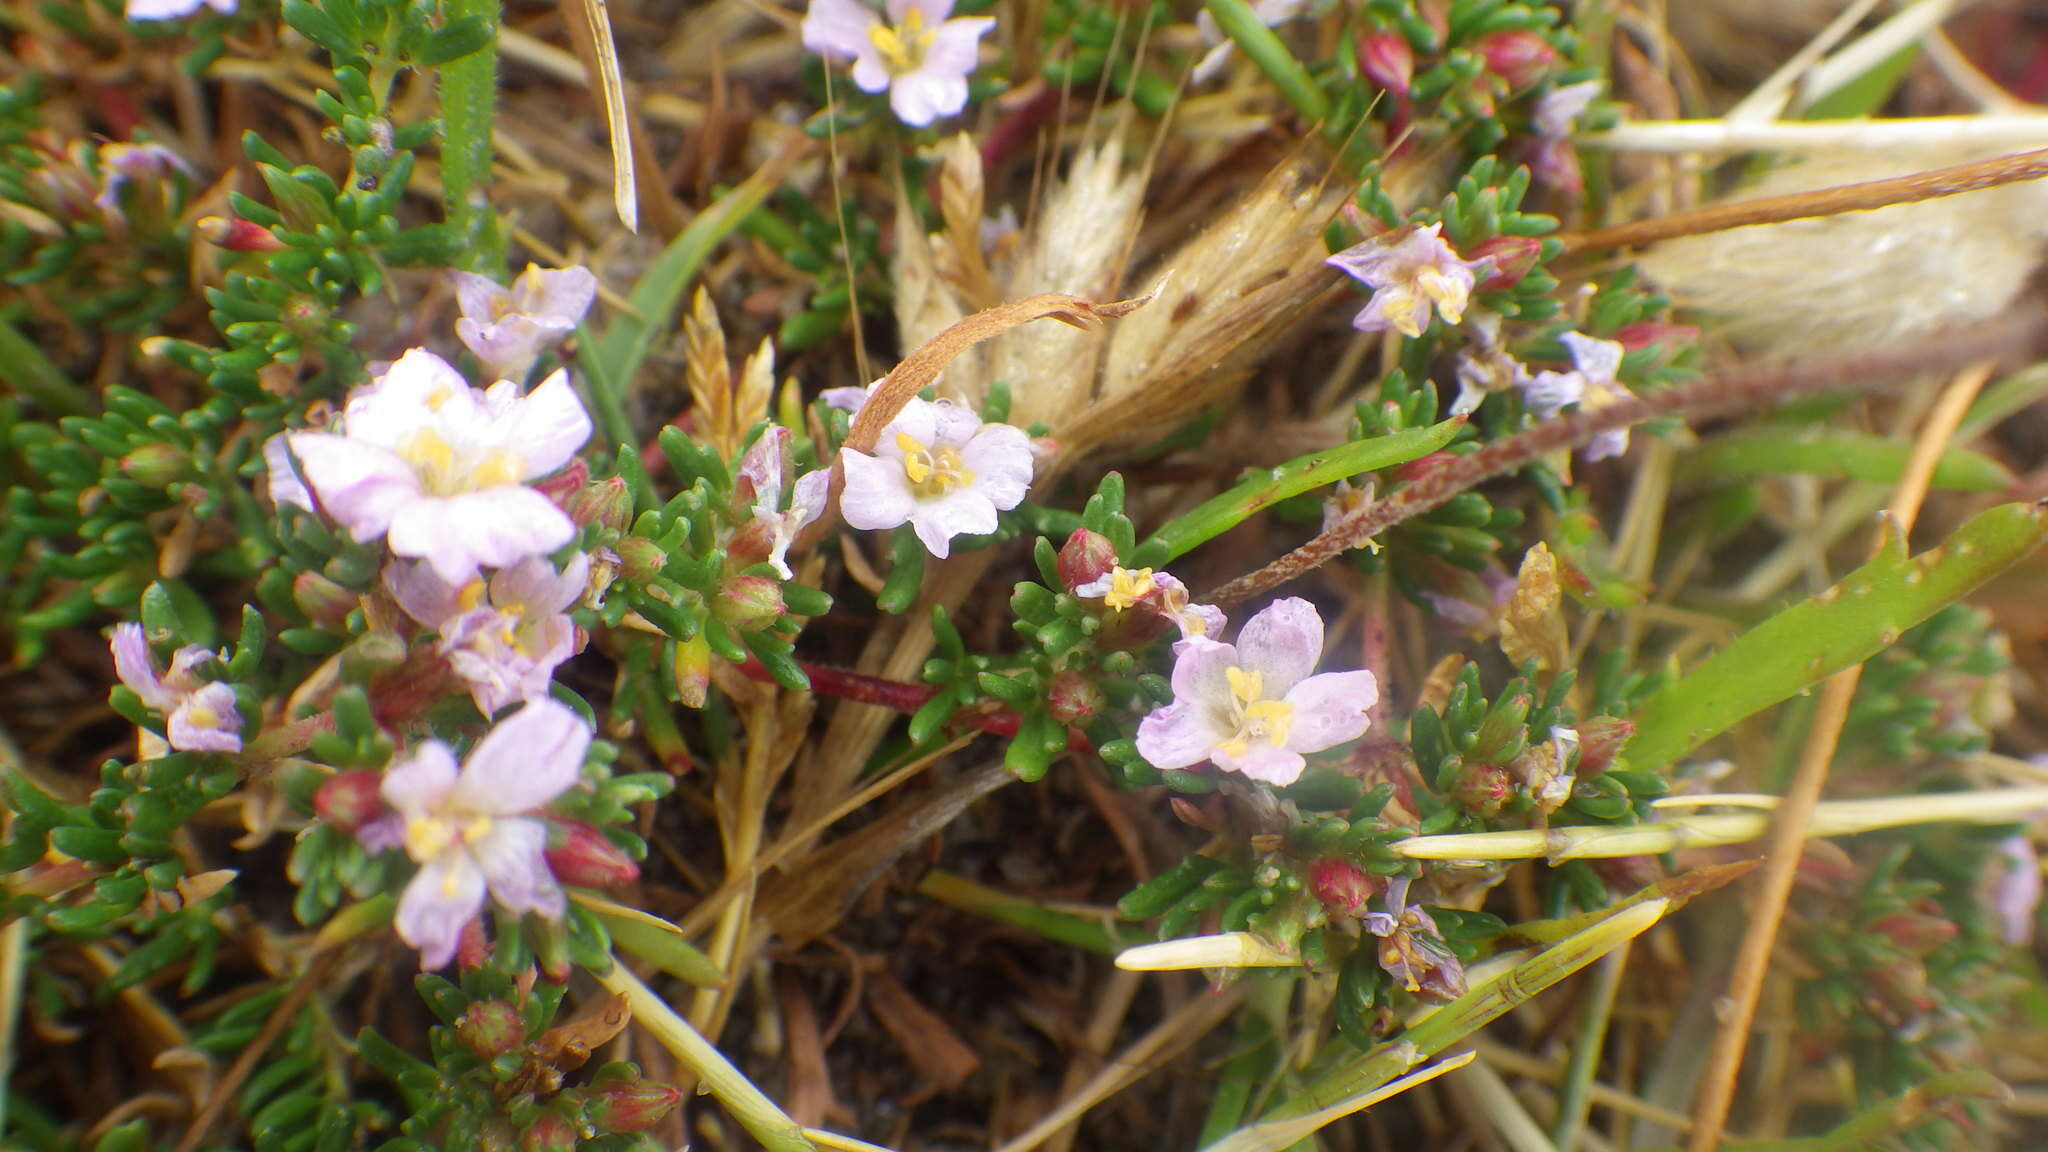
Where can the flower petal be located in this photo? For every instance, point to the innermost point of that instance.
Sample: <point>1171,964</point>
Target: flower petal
<point>420,783</point>
<point>925,95</point>
<point>512,857</point>
<point>534,588</point>
<point>1263,762</point>
<point>1200,667</point>
<point>870,74</point>
<point>838,29</point>
<point>490,529</point>
<point>955,51</point>
<point>547,427</point>
<point>963,513</point>
<point>934,12</point>
<point>525,761</point>
<point>422,595</point>
<point>418,391</point>
<point>132,663</point>
<point>444,895</point>
<point>1330,709</point>
<point>1178,735</point>
<point>1282,644</point>
<point>206,721</point>
<point>556,296</point>
<point>1000,458</point>
<point>286,487</point>
<point>481,298</point>
<point>1597,360</point>
<point>361,485</point>
<point>877,494</point>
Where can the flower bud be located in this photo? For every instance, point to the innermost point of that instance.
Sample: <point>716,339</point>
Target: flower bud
<point>1072,697</point>
<point>749,603</point>
<point>349,800</point>
<point>1085,558</point>
<point>1511,258</point>
<point>1599,739</point>
<point>1483,789</point>
<point>1387,60</point>
<point>693,670</point>
<point>563,485</point>
<point>1636,337</point>
<point>472,951</point>
<point>549,1132</point>
<point>237,234</point>
<point>1521,56</point>
<point>1914,933</point>
<point>1344,888</point>
<point>490,1028</point>
<point>157,465</point>
<point>607,503</point>
<point>324,602</point>
<point>630,1105</point>
<point>586,858</point>
<point>640,559</point>
<point>749,544</point>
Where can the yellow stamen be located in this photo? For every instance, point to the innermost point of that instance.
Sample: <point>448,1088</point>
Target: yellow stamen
<point>426,836</point>
<point>1257,718</point>
<point>902,47</point>
<point>427,450</point>
<point>1400,308</point>
<point>1450,295</point>
<point>471,597</point>
<point>202,716</point>
<point>1127,587</point>
<point>931,472</point>
<point>497,469</point>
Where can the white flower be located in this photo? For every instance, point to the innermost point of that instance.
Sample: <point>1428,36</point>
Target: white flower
<point>172,9</point>
<point>1410,270</point>
<point>504,638</point>
<point>1591,385</point>
<point>439,469</point>
<point>198,716</point>
<point>765,466</point>
<point>921,58</point>
<point>939,469</point>
<point>508,328</point>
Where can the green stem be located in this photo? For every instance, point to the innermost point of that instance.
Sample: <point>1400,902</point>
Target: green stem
<point>1573,1095</point>
<point>1241,24</point>
<point>1872,1127</point>
<point>1076,931</point>
<point>24,368</point>
<point>1216,516</point>
<point>469,93</point>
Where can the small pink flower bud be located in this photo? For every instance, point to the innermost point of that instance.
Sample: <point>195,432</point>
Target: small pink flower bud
<point>693,670</point>
<point>349,800</point>
<point>324,602</point>
<point>549,1133</point>
<point>1387,60</point>
<point>1072,697</point>
<point>1085,558</point>
<point>563,485</point>
<point>606,503</point>
<point>1636,337</point>
<point>749,544</point>
<point>1915,933</point>
<point>749,603</point>
<point>1520,56</point>
<point>640,559</point>
<point>586,858</point>
<point>630,1105</point>
<point>1344,888</point>
<point>157,465</point>
<point>1483,789</point>
<point>1599,739</point>
<point>1509,257</point>
<point>238,235</point>
<point>491,1028</point>
<point>472,950</point>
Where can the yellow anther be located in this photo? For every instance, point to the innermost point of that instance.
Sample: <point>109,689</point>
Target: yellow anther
<point>426,836</point>
<point>497,469</point>
<point>1257,717</point>
<point>426,449</point>
<point>202,716</point>
<point>931,472</point>
<point>1127,587</point>
<point>476,829</point>
<point>902,47</point>
<point>917,459</point>
<point>471,597</point>
<point>1245,687</point>
<point>1450,295</point>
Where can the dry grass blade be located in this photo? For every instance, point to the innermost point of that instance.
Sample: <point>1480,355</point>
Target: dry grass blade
<point>591,18</point>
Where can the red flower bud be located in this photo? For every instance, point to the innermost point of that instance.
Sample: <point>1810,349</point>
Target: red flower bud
<point>1072,697</point>
<point>749,603</point>
<point>1636,337</point>
<point>563,485</point>
<point>1599,739</point>
<point>640,559</point>
<point>1512,257</point>
<point>238,235</point>
<point>1387,60</point>
<point>549,1133</point>
<point>324,602</point>
<point>606,503</point>
<point>490,1028</point>
<point>1484,789</point>
<point>1085,558</point>
<point>1914,933</point>
<point>349,800</point>
<point>157,465</point>
<point>1344,888</point>
<point>586,858</point>
<point>630,1105</point>
<point>1520,56</point>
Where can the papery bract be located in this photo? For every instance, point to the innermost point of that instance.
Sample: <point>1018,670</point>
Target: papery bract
<point>509,327</point>
<point>438,468</point>
<point>1411,271</point>
<point>505,637</point>
<point>918,56</point>
<point>198,716</point>
<point>1254,707</point>
<point>474,831</point>
<point>938,468</point>
<point>765,467</point>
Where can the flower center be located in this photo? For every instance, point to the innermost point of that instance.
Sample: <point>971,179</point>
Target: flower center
<point>1127,587</point>
<point>1449,294</point>
<point>444,472</point>
<point>1252,716</point>
<point>201,715</point>
<point>932,472</point>
<point>428,836</point>
<point>902,47</point>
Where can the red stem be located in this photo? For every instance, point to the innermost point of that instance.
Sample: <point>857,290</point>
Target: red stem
<point>895,695</point>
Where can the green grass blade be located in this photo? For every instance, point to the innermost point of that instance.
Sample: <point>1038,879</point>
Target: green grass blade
<point>1836,455</point>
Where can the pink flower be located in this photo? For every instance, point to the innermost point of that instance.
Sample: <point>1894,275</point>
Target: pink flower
<point>474,831</point>
<point>764,467</point>
<point>1410,270</point>
<point>939,469</point>
<point>1591,385</point>
<point>200,716</point>
<point>438,468</point>
<point>504,638</point>
<point>1559,109</point>
<point>1253,707</point>
<point>1412,950</point>
<point>508,328</point>
<point>122,164</point>
<point>1160,592</point>
<point>172,9</point>
<point>921,58</point>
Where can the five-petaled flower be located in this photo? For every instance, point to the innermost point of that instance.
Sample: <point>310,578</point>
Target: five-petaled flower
<point>1254,707</point>
<point>1410,271</point>
<point>438,468</point>
<point>1122,589</point>
<point>476,830</point>
<point>508,328</point>
<point>504,637</point>
<point>198,716</point>
<point>1592,385</point>
<point>172,9</point>
<point>1411,949</point>
<point>939,469</point>
<point>918,55</point>
<point>765,468</point>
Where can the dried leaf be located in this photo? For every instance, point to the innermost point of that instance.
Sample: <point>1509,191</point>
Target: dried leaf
<point>941,1058</point>
<point>1532,627</point>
